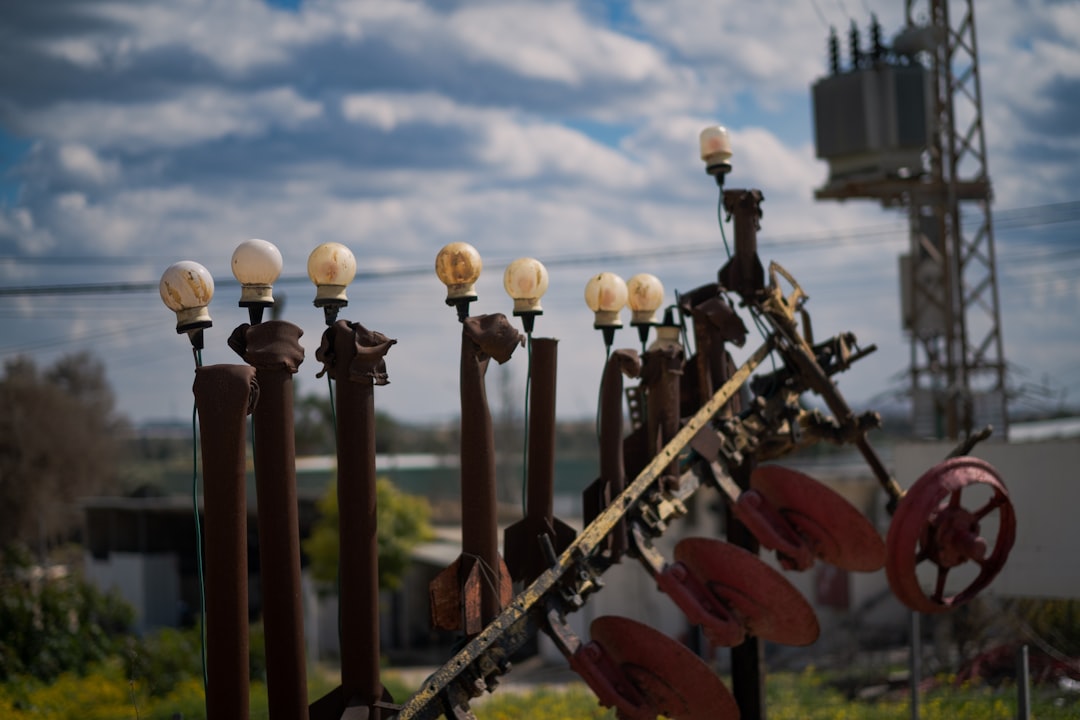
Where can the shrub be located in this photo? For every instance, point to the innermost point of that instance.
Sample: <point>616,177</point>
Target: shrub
<point>53,621</point>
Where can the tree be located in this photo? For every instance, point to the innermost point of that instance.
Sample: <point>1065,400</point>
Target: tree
<point>58,442</point>
<point>53,621</point>
<point>403,523</point>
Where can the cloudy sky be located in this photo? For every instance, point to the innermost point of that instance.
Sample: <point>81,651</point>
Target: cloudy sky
<point>135,133</point>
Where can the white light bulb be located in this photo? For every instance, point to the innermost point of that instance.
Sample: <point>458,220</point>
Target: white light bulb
<point>645,295</point>
<point>256,264</point>
<point>331,266</point>
<point>526,281</point>
<point>458,266</point>
<point>606,294</point>
<point>186,288</point>
<point>715,145</point>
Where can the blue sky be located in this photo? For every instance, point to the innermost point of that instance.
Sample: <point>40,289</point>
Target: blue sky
<point>134,134</point>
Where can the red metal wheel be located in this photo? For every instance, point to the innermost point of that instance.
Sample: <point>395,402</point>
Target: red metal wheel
<point>757,597</point>
<point>672,681</point>
<point>833,528</point>
<point>932,526</point>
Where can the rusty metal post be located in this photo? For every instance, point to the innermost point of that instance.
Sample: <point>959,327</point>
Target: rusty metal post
<point>744,275</point>
<point>273,349</point>
<point>479,522</point>
<point>522,541</point>
<point>599,494</point>
<point>353,356</point>
<point>224,395</point>
<point>661,372</point>
<point>472,591</point>
<point>715,324</point>
<point>747,659</point>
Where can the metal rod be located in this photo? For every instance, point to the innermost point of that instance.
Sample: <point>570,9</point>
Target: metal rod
<point>223,395</point>
<point>612,464</point>
<point>915,664</point>
<point>541,473</point>
<point>358,549</point>
<point>1023,684</point>
<point>273,348</point>
<point>479,529</point>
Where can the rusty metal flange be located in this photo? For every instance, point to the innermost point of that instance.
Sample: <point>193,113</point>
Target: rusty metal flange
<point>669,679</point>
<point>931,525</point>
<point>836,532</point>
<point>758,597</point>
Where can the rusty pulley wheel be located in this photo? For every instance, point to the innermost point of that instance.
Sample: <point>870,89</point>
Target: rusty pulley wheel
<point>835,530</point>
<point>669,679</point>
<point>931,525</point>
<point>757,597</point>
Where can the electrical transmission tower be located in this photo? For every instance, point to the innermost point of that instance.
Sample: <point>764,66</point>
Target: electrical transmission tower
<point>960,368</point>
<point>924,149</point>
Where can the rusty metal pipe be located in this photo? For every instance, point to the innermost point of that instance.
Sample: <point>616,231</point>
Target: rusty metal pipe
<point>273,349</point>
<point>662,369</point>
<point>479,529</point>
<point>743,273</point>
<point>612,463</point>
<point>539,500</point>
<point>357,367</point>
<point>223,396</point>
<point>525,556</point>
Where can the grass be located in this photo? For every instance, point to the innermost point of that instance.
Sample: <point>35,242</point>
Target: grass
<point>809,695</point>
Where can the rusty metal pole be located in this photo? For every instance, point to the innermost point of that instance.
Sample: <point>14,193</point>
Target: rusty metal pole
<point>744,275</point>
<point>599,494</point>
<point>273,349</point>
<point>479,528</point>
<point>224,395</point>
<point>522,541</point>
<point>661,372</point>
<point>358,366</point>
<point>539,500</point>
<point>472,591</point>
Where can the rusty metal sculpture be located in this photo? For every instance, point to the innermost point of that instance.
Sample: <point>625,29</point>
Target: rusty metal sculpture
<point>788,512</point>
<point>699,421</point>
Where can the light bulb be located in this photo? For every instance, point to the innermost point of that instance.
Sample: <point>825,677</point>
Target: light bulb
<point>186,288</point>
<point>716,149</point>
<point>526,281</point>
<point>605,294</point>
<point>645,295</point>
<point>458,266</point>
<point>256,264</point>
<point>331,266</point>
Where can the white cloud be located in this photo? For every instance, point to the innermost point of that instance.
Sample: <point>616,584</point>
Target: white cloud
<point>399,127</point>
<point>194,116</point>
<point>771,47</point>
<point>554,42</point>
<point>84,165</point>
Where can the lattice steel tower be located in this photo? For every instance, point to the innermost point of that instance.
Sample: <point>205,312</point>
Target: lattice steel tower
<point>922,146</point>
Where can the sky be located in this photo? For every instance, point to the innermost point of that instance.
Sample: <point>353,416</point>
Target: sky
<point>137,133</point>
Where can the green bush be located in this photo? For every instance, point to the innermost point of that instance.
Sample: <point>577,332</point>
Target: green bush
<point>53,621</point>
<point>164,659</point>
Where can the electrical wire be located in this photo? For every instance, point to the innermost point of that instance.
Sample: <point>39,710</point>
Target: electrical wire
<point>525,451</point>
<point>1009,219</point>
<point>821,15</point>
<point>198,537</point>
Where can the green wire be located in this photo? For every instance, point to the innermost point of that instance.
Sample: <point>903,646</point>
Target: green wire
<point>333,422</point>
<point>525,451</point>
<point>600,392</point>
<point>198,537</point>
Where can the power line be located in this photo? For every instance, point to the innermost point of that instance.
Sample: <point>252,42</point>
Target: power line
<point>1007,219</point>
